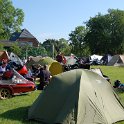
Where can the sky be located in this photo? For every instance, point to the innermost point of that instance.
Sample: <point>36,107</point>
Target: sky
<point>55,19</point>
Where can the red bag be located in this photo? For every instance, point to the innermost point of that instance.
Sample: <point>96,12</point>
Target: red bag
<point>23,70</point>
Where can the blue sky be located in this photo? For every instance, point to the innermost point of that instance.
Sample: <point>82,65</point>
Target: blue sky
<point>56,19</point>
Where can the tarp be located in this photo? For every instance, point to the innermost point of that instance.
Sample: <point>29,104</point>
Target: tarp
<point>77,97</point>
<point>117,60</point>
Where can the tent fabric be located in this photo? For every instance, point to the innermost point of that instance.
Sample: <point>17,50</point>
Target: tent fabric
<point>93,57</point>
<point>53,66</point>
<point>97,70</point>
<point>77,97</point>
<point>40,60</point>
<point>36,59</point>
<point>117,60</point>
<point>56,68</point>
<point>47,60</point>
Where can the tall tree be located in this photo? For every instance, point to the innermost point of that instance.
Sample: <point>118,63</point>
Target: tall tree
<point>55,46</point>
<point>2,47</point>
<point>106,33</point>
<point>63,46</point>
<point>49,45</point>
<point>11,18</point>
<point>15,48</point>
<point>33,51</point>
<point>77,40</point>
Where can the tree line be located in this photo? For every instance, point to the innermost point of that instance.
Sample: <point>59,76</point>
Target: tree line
<point>102,34</point>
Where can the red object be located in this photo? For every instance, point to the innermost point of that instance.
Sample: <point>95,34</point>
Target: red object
<point>17,88</point>
<point>15,85</point>
<point>59,58</point>
<point>64,60</point>
<point>23,70</point>
<point>8,74</point>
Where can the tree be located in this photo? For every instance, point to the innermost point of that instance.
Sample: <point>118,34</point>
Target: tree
<point>2,47</point>
<point>63,46</point>
<point>49,45</point>
<point>11,19</point>
<point>33,51</point>
<point>15,48</point>
<point>53,46</point>
<point>77,40</point>
<point>106,33</point>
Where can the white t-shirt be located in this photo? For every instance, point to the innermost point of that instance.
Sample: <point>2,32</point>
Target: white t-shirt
<point>2,69</point>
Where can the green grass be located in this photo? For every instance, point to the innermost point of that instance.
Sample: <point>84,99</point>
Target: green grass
<point>15,110</point>
<point>114,73</point>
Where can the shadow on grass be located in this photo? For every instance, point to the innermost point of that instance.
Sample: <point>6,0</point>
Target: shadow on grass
<point>19,114</point>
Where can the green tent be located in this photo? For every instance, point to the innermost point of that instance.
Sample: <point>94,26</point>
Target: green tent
<point>54,66</point>
<point>39,60</point>
<point>46,60</point>
<point>77,97</point>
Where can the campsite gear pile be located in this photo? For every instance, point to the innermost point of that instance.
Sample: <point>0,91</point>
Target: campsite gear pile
<point>77,97</point>
<point>12,61</point>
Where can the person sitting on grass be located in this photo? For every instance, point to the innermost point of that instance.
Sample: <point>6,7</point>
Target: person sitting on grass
<point>118,84</point>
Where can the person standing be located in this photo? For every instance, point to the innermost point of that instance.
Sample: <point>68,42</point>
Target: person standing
<point>60,58</point>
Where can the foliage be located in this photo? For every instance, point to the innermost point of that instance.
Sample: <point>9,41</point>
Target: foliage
<point>11,18</point>
<point>1,47</point>
<point>15,48</point>
<point>77,41</point>
<point>106,33</point>
<point>49,45</point>
<point>33,51</point>
<point>53,47</point>
<point>26,50</point>
<point>63,46</point>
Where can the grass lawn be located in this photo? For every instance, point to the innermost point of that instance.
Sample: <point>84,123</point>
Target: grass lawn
<point>15,110</point>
